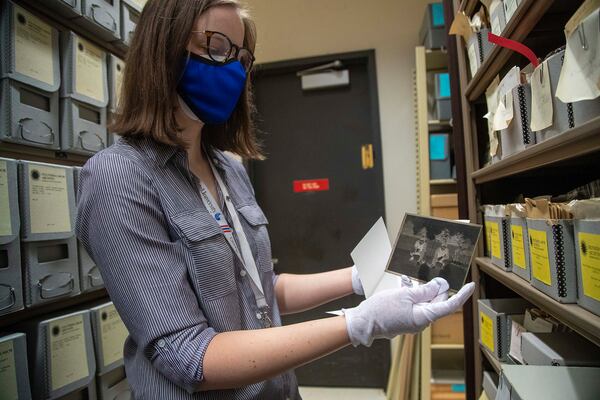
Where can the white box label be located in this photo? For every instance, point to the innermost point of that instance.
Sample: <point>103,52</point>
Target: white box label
<point>48,199</point>
<point>33,47</point>
<point>68,353</point>
<point>89,71</point>
<point>8,372</point>
<point>113,334</point>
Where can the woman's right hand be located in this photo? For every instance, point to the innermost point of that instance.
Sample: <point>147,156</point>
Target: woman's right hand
<point>405,310</point>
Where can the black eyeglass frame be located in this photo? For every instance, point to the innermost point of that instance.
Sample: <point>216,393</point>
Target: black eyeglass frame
<point>232,46</point>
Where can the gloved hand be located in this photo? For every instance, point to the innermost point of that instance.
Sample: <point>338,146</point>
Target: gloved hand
<point>356,283</point>
<point>405,310</point>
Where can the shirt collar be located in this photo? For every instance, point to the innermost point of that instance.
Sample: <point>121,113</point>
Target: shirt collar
<point>158,152</point>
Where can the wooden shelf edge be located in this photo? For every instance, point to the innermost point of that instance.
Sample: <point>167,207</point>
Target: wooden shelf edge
<point>497,365</point>
<point>22,152</point>
<point>442,182</point>
<point>520,25</point>
<point>576,142</point>
<point>447,347</point>
<point>580,320</point>
<point>59,305</point>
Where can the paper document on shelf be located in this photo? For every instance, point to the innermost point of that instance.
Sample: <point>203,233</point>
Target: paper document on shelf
<point>580,74</point>
<point>541,98</point>
<point>516,331</point>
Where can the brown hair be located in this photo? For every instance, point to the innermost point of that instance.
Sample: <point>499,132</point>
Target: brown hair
<point>153,68</point>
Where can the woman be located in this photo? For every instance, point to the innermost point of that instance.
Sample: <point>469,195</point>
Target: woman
<point>183,248</point>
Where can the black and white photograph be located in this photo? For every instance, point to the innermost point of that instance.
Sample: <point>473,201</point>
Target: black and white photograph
<point>430,247</point>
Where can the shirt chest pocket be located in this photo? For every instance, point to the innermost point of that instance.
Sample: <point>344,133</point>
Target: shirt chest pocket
<point>256,223</point>
<point>213,269</point>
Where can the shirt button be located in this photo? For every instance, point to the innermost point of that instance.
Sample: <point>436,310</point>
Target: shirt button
<point>243,273</point>
<point>161,343</point>
<point>258,315</point>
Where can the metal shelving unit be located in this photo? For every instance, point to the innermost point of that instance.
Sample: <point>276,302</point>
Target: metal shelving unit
<point>575,150</point>
<point>24,152</point>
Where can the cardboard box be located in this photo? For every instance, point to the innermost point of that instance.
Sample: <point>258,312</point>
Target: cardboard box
<point>518,136</point>
<point>553,264</point>
<point>30,115</point>
<point>587,252</point>
<point>29,48</point>
<point>498,231</point>
<point>11,286</point>
<point>83,127</point>
<point>490,384</point>
<point>113,385</point>
<point>102,18</point>
<point>566,349</point>
<point>448,330</point>
<point>14,372</point>
<point>440,166</point>
<point>495,324</point>
<point>433,28</point>
<point>444,205</point>
<point>61,355</point>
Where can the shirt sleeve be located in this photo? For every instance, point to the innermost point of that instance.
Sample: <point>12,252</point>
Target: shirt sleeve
<point>121,223</point>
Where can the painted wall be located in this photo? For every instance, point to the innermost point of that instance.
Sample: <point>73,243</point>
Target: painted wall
<point>290,29</point>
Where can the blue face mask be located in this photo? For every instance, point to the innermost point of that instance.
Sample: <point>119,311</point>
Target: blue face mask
<point>211,90</point>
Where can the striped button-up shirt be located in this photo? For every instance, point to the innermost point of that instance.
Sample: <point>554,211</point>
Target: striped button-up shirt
<point>169,269</point>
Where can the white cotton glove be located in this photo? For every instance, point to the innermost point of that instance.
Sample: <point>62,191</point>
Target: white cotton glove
<point>405,310</point>
<point>356,283</point>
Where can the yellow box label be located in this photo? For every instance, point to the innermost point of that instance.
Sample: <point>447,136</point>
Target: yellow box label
<point>5,222</point>
<point>8,372</point>
<point>89,70</point>
<point>495,239</point>
<point>68,353</point>
<point>518,246</point>
<point>589,252</point>
<point>540,263</point>
<point>33,47</point>
<point>48,199</point>
<point>486,331</point>
<point>113,335</point>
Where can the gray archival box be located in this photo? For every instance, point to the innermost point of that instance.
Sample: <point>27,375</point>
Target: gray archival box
<point>11,287</point>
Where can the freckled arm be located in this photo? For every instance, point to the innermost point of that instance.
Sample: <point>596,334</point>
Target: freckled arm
<point>239,358</point>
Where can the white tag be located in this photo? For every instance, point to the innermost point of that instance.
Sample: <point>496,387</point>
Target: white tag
<point>504,113</point>
<point>541,98</point>
<point>510,6</point>
<point>496,29</point>
<point>511,80</point>
<point>580,73</point>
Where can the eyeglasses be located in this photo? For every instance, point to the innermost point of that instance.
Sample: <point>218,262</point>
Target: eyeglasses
<point>220,49</point>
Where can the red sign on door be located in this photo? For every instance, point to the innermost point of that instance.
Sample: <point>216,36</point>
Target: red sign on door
<point>311,185</point>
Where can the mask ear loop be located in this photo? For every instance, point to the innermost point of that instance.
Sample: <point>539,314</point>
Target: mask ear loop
<point>182,104</point>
